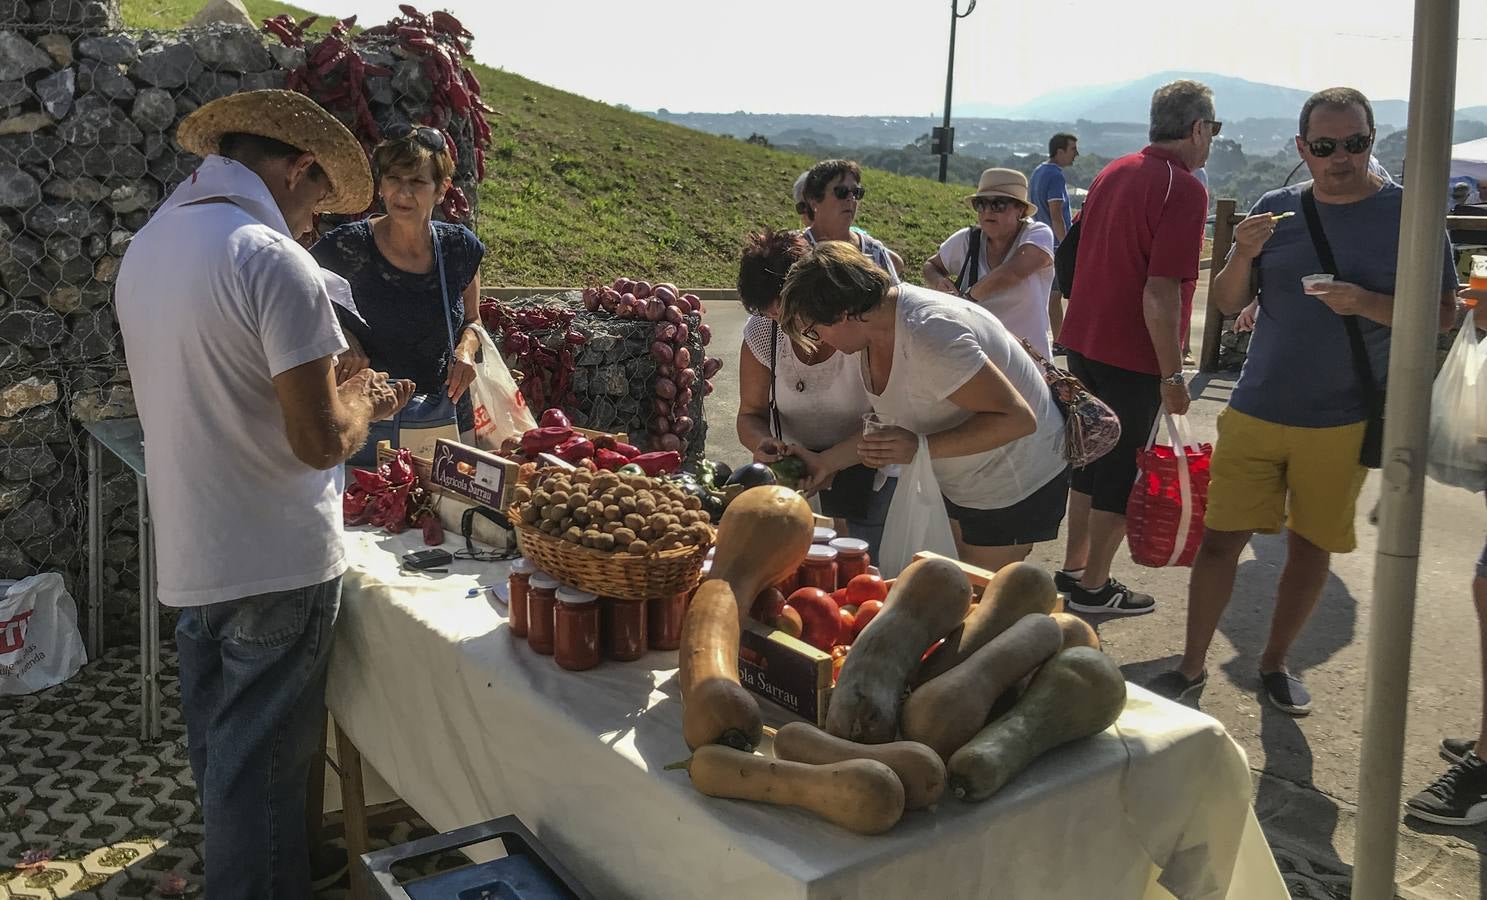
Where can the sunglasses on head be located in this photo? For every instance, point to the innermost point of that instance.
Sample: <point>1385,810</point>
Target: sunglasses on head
<point>842,192</point>
<point>432,138</point>
<point>995,204</point>
<point>1353,144</point>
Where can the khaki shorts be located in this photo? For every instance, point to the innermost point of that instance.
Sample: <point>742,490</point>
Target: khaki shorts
<point>1266,476</point>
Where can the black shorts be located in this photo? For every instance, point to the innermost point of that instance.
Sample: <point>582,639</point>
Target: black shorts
<point>1031,520</point>
<point>1136,398</point>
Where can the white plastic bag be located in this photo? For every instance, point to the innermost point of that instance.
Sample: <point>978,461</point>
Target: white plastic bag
<point>1458,414</point>
<point>500,409</point>
<point>39,642</point>
<point>917,519</point>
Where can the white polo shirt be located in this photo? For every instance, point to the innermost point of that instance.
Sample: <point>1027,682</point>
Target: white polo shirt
<point>214,300</point>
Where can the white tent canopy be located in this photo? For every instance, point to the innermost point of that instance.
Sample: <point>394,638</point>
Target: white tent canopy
<point>1470,159</point>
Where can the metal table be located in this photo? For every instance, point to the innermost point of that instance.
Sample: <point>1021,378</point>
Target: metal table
<point>124,439</point>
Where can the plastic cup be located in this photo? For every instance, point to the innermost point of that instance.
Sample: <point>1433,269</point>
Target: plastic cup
<point>1477,278</point>
<point>1311,283</point>
<point>872,422</point>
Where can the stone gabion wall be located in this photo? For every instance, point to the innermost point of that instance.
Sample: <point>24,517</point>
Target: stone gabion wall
<point>87,152</point>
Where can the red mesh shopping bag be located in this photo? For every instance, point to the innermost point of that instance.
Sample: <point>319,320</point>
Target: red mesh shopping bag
<point>1164,516</point>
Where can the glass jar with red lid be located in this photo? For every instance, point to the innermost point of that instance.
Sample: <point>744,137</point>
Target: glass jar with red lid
<point>818,570</point>
<point>542,598</point>
<point>624,628</point>
<point>851,559</point>
<point>518,583</point>
<point>576,629</point>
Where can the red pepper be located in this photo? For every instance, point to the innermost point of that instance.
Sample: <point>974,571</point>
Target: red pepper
<point>555,418</point>
<point>575,449</point>
<point>609,460</point>
<point>661,462</point>
<point>628,451</point>
<point>541,440</point>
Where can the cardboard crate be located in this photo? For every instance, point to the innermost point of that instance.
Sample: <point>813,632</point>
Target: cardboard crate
<point>796,676</point>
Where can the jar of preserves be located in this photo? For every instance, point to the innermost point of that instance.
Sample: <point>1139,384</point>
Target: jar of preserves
<point>823,535</point>
<point>851,559</point>
<point>818,570</point>
<point>542,597</point>
<point>576,629</point>
<point>624,628</point>
<point>664,619</point>
<point>518,583</point>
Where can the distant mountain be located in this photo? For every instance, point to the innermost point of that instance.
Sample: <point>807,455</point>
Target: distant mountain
<point>1130,101</point>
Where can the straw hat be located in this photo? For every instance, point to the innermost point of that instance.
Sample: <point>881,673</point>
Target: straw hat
<point>296,120</point>
<point>1003,183</point>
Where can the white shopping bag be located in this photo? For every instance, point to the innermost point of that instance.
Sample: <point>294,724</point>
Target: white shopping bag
<point>39,642</point>
<point>916,517</point>
<point>1458,414</point>
<point>500,409</point>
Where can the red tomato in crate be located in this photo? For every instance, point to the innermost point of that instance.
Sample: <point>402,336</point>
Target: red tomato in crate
<point>838,657</point>
<point>840,596</point>
<point>848,629</point>
<point>865,614</point>
<point>863,588</point>
<point>820,616</point>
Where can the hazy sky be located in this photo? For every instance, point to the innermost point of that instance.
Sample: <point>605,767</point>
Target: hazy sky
<point>868,57</point>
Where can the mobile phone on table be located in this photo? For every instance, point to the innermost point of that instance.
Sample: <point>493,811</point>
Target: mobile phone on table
<point>427,559</point>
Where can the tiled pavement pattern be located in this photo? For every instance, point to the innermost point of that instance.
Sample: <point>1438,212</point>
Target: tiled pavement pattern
<point>101,813</point>
<point>104,815</point>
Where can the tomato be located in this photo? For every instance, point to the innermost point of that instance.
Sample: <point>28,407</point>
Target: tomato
<point>788,621</point>
<point>838,657</point>
<point>863,588</point>
<point>865,614</point>
<point>847,629</point>
<point>840,596</point>
<point>767,605</point>
<point>820,616</point>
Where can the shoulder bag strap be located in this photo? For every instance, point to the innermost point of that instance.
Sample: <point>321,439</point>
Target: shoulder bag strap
<point>1361,365</point>
<point>443,289</point>
<point>774,352</point>
<point>972,265</point>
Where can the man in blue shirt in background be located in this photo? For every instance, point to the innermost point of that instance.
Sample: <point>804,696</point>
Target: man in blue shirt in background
<point>1050,194</point>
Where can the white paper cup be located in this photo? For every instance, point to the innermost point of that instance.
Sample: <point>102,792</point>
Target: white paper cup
<point>1310,283</point>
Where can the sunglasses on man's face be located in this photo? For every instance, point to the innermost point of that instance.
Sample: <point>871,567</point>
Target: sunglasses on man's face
<point>842,192</point>
<point>995,204</point>
<point>1217,127</point>
<point>1353,144</point>
<point>432,138</point>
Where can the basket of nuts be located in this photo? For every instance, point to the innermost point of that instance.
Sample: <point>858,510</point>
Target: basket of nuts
<point>625,536</point>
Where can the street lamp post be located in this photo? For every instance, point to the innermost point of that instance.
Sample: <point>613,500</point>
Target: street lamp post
<point>943,140</point>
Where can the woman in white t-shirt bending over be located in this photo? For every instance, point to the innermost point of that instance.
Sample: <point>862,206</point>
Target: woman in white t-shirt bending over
<point>937,366</point>
<point>794,399</point>
<point>1014,259</point>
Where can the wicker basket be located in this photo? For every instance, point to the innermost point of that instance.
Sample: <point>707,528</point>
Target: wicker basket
<point>623,575</point>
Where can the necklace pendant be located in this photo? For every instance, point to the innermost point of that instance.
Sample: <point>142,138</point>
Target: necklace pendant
<point>800,387</point>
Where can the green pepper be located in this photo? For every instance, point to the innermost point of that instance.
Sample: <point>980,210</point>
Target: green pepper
<point>789,471</point>
<point>630,469</point>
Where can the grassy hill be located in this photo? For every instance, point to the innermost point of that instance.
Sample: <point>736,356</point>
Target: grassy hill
<point>578,190</point>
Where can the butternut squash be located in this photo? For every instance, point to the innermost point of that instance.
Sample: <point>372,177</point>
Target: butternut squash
<point>1078,693</point>
<point>1077,632</point>
<point>1019,589</point>
<point>861,795</point>
<point>764,534</point>
<point>917,767</point>
<point>946,712</point>
<point>928,600</point>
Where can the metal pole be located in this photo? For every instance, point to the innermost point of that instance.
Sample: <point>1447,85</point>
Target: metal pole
<point>949,83</point>
<point>95,549</point>
<point>1411,370</point>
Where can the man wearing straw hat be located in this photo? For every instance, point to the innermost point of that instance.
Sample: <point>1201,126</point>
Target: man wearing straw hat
<point>232,345</point>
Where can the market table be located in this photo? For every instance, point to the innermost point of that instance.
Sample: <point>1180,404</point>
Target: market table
<point>466,723</point>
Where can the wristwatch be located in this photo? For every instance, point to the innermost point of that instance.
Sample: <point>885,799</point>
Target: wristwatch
<point>1175,379</point>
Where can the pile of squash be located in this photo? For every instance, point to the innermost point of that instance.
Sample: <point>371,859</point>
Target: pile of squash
<point>1011,680</point>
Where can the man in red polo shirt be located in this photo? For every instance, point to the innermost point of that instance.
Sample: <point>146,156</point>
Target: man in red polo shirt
<point>1136,268</point>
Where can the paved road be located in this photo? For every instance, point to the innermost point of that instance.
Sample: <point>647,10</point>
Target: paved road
<point>1309,766</point>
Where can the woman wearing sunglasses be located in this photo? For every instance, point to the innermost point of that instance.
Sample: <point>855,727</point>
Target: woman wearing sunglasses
<point>416,282</point>
<point>1004,262</point>
<point>794,399</point>
<point>937,366</point>
<point>829,199</point>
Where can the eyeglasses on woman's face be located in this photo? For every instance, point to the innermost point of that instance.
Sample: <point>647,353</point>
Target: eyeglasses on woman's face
<point>995,204</point>
<point>432,138</point>
<point>1353,144</point>
<point>842,192</point>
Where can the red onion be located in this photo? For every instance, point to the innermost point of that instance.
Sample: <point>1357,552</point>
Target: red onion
<point>591,299</point>
<point>666,370</point>
<point>666,388</point>
<point>693,301</point>
<point>681,425</point>
<point>682,333</point>
<point>674,315</point>
<point>623,285</point>
<point>682,357</point>
<point>663,288</point>
<point>685,378</point>
<point>665,331</point>
<point>710,366</point>
<point>684,396</point>
<point>654,309</point>
<point>661,352</point>
<point>642,289</point>
<point>662,406</point>
<point>708,392</point>
<point>669,442</point>
<point>660,425</point>
<point>705,333</point>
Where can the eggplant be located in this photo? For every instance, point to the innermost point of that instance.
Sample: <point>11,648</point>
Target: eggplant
<point>721,472</point>
<point>752,475</point>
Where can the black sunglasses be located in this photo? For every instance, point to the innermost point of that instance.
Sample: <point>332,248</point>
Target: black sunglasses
<point>842,192</point>
<point>432,138</point>
<point>1217,126</point>
<point>995,204</point>
<point>1353,143</point>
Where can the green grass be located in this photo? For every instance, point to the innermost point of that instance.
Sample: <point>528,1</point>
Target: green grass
<point>579,191</point>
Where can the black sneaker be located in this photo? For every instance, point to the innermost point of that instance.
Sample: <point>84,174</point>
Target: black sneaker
<point>1453,749</point>
<point>1178,687</point>
<point>1459,797</point>
<point>1113,599</point>
<point>1065,582</point>
<point>1286,693</point>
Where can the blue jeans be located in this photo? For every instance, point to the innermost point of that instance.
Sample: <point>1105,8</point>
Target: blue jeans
<point>253,676</point>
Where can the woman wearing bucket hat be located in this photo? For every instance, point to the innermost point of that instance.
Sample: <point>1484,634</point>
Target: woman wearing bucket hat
<point>829,198</point>
<point>1004,262</point>
<point>416,283</point>
<point>232,344</point>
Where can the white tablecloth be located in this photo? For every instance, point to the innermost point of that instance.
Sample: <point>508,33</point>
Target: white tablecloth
<point>466,723</point>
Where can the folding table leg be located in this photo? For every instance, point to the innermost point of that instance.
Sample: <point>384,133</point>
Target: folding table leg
<point>149,624</point>
<point>95,548</point>
<point>354,811</point>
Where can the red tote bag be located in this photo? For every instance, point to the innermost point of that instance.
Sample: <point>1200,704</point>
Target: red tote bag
<point>1164,516</point>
